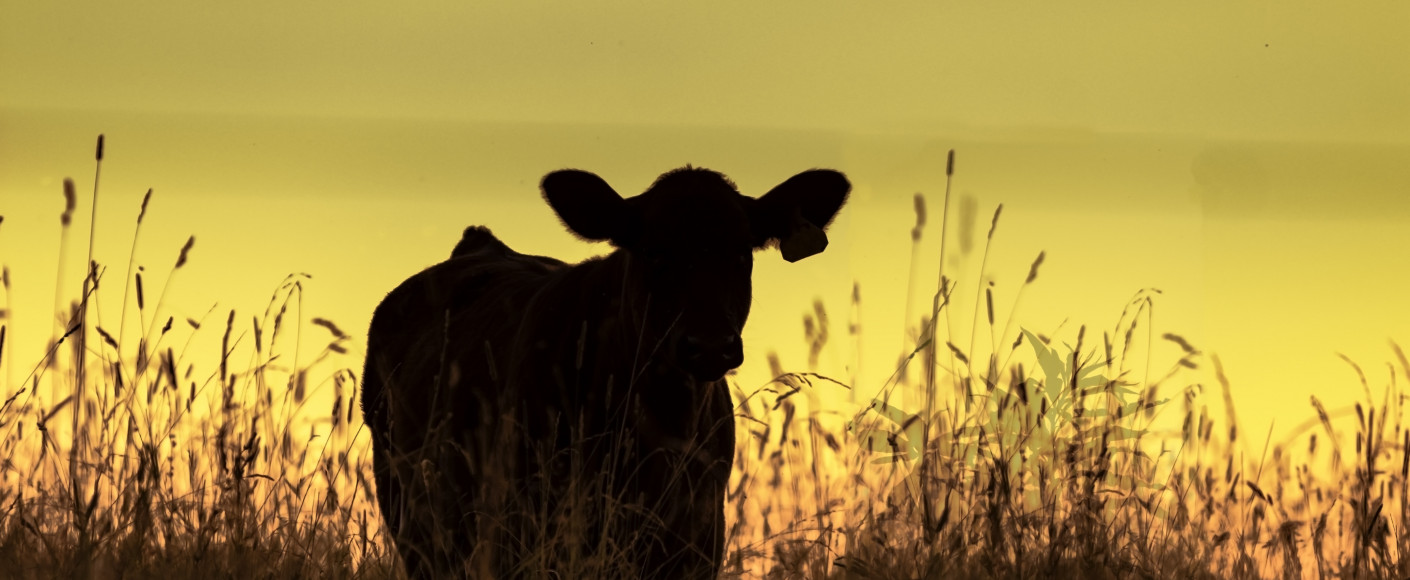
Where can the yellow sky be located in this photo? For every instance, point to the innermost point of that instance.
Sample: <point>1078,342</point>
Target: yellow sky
<point>1252,160</point>
<point>1299,70</point>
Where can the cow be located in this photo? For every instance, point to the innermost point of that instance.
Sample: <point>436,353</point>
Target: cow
<point>528,415</point>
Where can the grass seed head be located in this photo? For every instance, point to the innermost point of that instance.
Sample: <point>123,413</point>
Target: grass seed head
<point>70,202</point>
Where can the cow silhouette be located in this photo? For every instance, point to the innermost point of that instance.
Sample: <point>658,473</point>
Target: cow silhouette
<point>531,417</point>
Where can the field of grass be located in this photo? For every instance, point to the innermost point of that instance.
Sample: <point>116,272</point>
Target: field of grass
<point>122,454</point>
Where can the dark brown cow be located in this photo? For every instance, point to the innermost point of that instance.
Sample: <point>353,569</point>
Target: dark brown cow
<point>528,415</point>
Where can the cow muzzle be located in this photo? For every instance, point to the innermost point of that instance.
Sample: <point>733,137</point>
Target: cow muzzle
<point>709,357</point>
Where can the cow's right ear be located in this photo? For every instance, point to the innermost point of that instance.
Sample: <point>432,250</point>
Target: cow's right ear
<point>795,213</point>
<point>588,206</point>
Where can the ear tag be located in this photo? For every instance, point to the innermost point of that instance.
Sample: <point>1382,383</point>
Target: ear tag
<point>804,239</point>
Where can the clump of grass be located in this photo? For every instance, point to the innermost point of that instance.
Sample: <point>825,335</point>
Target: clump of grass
<point>1024,458</point>
<point>164,469</point>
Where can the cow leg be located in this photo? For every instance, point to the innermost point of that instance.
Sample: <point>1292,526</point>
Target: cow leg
<point>426,520</point>
<point>415,503</point>
<point>400,499</point>
<point>694,538</point>
<point>390,498</point>
<point>401,513</point>
<point>691,546</point>
<point>390,473</point>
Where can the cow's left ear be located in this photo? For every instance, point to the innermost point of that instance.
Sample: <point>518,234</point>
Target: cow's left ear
<point>588,206</point>
<point>794,214</point>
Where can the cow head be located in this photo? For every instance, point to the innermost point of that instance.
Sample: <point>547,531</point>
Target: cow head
<point>690,240</point>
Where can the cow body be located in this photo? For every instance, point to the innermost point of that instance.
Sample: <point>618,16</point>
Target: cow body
<point>528,415</point>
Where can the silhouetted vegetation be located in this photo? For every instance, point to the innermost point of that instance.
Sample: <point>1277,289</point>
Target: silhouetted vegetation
<point>1031,455</point>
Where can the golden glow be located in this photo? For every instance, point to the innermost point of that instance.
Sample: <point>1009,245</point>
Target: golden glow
<point>1297,71</point>
<point>1251,160</point>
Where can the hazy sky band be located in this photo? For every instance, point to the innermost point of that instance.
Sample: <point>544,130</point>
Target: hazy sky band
<point>1298,71</point>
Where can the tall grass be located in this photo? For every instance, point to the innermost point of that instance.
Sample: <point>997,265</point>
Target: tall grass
<point>167,468</point>
<point>1022,454</point>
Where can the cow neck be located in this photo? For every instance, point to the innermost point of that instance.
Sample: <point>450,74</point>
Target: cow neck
<point>596,292</point>
<point>621,305</point>
<point>606,295</point>
<point>623,299</point>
